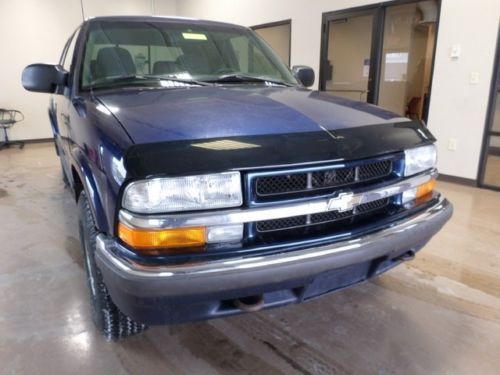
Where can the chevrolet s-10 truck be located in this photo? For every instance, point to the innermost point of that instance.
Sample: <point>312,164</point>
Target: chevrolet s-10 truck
<point>211,181</point>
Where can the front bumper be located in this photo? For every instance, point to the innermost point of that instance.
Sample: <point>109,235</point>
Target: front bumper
<point>171,294</point>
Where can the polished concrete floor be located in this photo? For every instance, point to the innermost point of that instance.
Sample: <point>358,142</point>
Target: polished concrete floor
<point>439,314</point>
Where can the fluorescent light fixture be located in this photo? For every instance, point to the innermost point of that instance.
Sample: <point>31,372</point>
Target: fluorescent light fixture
<point>194,36</point>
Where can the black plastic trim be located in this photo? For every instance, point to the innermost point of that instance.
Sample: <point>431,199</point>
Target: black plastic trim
<point>179,158</point>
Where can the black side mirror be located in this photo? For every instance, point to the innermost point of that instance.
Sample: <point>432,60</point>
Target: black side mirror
<point>44,78</point>
<point>304,74</point>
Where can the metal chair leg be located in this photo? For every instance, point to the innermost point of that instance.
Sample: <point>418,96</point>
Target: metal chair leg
<point>7,143</point>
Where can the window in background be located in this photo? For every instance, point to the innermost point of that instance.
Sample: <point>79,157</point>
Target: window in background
<point>278,36</point>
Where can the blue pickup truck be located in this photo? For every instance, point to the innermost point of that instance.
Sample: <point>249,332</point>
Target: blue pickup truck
<point>211,181</point>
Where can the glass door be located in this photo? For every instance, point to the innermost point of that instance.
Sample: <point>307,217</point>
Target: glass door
<point>407,52</point>
<point>489,174</point>
<point>381,54</point>
<point>348,54</point>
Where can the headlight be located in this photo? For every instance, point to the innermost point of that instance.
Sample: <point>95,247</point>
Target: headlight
<point>203,192</point>
<point>420,159</point>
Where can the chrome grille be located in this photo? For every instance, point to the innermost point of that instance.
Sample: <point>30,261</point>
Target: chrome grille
<point>320,218</point>
<point>268,186</point>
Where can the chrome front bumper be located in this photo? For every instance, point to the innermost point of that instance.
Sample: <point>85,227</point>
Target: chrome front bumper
<point>123,276</point>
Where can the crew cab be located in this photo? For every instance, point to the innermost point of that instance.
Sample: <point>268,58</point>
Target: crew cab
<point>211,181</point>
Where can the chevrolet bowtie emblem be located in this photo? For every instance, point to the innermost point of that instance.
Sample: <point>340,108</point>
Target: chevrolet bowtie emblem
<point>341,203</point>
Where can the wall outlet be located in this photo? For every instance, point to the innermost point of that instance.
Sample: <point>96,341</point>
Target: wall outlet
<point>452,144</point>
<point>474,78</point>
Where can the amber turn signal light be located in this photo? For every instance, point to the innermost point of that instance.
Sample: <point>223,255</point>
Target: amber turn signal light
<point>153,240</point>
<point>425,189</point>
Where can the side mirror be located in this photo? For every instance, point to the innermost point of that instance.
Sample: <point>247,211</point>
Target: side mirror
<point>304,74</point>
<point>44,78</point>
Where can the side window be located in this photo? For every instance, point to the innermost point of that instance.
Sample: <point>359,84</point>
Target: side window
<point>68,55</point>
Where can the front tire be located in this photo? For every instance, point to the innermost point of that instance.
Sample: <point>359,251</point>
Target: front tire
<point>107,317</point>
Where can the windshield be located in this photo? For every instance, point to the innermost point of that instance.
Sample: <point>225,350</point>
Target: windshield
<point>143,53</point>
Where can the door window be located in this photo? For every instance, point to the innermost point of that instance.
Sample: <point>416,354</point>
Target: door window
<point>67,58</point>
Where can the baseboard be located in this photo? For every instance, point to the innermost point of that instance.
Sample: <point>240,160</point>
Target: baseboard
<point>34,141</point>
<point>457,180</point>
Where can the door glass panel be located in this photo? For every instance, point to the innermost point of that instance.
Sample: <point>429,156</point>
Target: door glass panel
<point>495,126</point>
<point>491,150</point>
<point>348,56</point>
<point>408,45</point>
<point>492,167</point>
<point>278,38</point>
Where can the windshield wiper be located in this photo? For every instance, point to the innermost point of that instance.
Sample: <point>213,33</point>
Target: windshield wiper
<point>247,78</point>
<point>146,77</point>
<point>173,78</point>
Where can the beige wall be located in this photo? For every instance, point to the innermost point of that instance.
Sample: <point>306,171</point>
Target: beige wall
<point>457,108</point>
<point>36,31</point>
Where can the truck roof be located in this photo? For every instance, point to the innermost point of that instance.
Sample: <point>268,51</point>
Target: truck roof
<point>168,19</point>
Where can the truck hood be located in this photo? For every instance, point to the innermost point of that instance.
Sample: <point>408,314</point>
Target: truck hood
<point>215,112</point>
<point>213,129</point>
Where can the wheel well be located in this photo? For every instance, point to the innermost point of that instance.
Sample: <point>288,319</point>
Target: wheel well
<point>77,183</point>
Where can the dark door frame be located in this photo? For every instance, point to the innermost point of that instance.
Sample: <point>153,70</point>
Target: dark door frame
<point>490,116</point>
<point>279,23</point>
<point>378,11</point>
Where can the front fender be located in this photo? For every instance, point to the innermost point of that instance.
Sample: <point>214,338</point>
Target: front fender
<point>86,172</point>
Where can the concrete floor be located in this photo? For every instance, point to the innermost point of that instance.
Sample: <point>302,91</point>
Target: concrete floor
<point>437,314</point>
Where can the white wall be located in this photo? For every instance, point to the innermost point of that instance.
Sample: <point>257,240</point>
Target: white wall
<point>165,7</point>
<point>36,31</point>
<point>31,31</point>
<point>457,109</point>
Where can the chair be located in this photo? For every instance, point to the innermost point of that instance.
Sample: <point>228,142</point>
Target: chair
<point>114,62</point>
<point>8,117</point>
<point>412,108</point>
